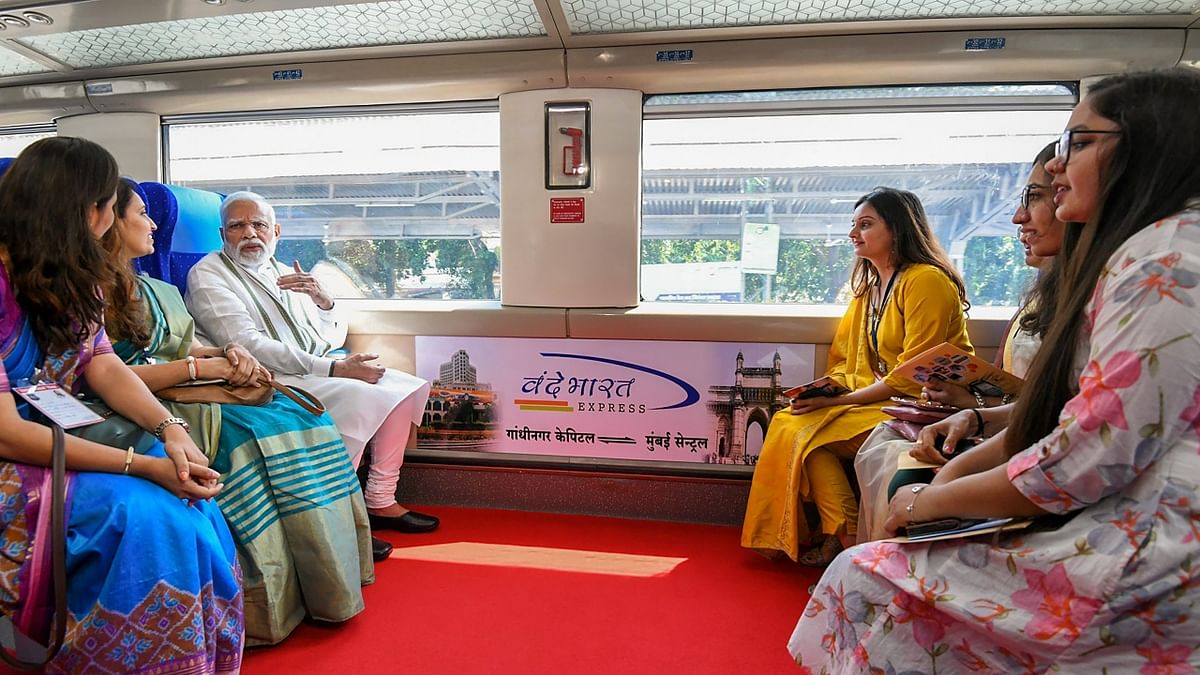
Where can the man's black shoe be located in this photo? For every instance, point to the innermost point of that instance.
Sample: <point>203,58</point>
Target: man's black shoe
<point>411,522</point>
<point>380,549</point>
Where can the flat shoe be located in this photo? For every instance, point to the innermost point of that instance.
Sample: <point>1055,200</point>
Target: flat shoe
<point>380,549</point>
<point>411,522</point>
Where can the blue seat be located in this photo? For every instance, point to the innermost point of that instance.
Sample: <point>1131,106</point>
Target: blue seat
<point>189,228</point>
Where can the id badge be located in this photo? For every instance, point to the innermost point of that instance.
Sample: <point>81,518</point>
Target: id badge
<point>62,408</point>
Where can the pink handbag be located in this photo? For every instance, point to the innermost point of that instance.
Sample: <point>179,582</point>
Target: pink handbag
<point>912,414</point>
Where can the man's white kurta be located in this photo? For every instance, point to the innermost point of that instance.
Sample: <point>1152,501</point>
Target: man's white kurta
<point>291,336</point>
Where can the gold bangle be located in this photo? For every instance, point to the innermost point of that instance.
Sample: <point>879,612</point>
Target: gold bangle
<point>128,460</point>
<point>191,366</point>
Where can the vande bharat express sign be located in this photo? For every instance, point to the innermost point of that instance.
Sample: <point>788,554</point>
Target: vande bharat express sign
<point>625,399</point>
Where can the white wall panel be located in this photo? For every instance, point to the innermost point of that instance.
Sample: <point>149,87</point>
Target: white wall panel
<point>589,264</point>
<point>135,139</point>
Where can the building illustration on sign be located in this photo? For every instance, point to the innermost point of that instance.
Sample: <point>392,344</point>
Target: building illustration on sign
<point>754,398</point>
<point>460,411</point>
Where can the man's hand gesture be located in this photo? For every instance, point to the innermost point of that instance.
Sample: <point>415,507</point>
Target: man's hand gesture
<point>303,282</point>
<point>355,366</point>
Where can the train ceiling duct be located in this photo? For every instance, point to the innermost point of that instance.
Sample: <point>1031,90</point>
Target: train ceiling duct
<point>97,40</point>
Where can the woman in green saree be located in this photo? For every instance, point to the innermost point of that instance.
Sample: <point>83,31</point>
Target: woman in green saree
<point>291,497</point>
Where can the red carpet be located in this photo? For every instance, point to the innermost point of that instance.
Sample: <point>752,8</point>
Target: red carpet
<point>723,610</point>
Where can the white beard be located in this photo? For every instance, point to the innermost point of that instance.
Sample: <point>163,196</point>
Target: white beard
<point>251,259</point>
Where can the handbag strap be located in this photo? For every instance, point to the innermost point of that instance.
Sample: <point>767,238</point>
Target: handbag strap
<point>58,556</point>
<point>304,398</point>
<point>58,545</point>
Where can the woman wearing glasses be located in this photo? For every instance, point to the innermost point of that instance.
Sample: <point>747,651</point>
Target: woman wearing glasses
<point>1041,235</point>
<point>907,298</point>
<point>1113,451</point>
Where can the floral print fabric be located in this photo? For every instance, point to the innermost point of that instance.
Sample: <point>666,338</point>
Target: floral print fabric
<point>1114,582</point>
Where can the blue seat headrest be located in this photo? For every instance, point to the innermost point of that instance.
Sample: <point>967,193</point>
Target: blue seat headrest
<point>4,162</point>
<point>189,228</point>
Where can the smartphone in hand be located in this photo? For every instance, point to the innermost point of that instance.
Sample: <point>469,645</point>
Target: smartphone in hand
<point>938,526</point>
<point>822,386</point>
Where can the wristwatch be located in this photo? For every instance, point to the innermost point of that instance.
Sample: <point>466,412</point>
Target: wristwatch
<point>162,426</point>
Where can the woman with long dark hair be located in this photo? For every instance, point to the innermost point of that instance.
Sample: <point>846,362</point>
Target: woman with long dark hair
<point>153,583</point>
<point>1106,436</point>
<point>907,298</point>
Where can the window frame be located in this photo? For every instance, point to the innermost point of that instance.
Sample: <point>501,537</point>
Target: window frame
<point>863,105</point>
<point>341,112</point>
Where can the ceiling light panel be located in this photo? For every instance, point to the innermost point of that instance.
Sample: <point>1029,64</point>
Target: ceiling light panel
<point>12,63</point>
<point>618,16</point>
<point>292,30</point>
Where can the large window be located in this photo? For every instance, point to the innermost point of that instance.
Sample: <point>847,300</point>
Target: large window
<point>398,205</point>
<point>730,178</point>
<point>14,140</point>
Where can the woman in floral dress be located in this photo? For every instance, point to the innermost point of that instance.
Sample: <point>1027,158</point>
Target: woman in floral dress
<point>1107,438</point>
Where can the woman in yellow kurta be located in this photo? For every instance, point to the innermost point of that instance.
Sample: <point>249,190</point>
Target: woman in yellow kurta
<point>907,298</point>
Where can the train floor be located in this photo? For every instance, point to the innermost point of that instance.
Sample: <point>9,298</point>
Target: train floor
<point>517,592</point>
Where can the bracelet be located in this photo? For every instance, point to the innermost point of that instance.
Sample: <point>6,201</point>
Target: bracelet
<point>128,460</point>
<point>191,366</point>
<point>162,426</point>
<point>331,365</point>
<point>978,421</point>
<point>979,401</point>
<point>916,490</point>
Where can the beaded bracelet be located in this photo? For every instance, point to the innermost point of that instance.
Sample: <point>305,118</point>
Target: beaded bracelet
<point>191,366</point>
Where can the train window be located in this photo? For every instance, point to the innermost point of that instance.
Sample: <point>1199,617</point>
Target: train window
<point>748,197</point>
<point>397,204</point>
<point>14,140</point>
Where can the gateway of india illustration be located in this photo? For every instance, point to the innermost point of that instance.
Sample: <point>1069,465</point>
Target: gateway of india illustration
<point>755,397</point>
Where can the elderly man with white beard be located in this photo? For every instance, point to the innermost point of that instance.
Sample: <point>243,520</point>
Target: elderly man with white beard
<point>287,320</point>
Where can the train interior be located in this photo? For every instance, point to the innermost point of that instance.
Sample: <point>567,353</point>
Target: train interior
<point>523,175</point>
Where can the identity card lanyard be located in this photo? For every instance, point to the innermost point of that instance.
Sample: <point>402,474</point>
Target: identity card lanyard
<point>876,317</point>
<point>52,401</point>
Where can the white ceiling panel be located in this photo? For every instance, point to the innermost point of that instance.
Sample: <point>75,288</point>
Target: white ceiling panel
<point>292,30</point>
<point>12,63</point>
<point>618,16</point>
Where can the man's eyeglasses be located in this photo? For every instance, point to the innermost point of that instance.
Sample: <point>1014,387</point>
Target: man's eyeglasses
<point>1030,194</point>
<point>1062,149</point>
<point>260,227</point>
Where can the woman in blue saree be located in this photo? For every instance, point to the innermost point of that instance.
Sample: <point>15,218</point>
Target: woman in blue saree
<point>152,579</point>
<point>291,497</point>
